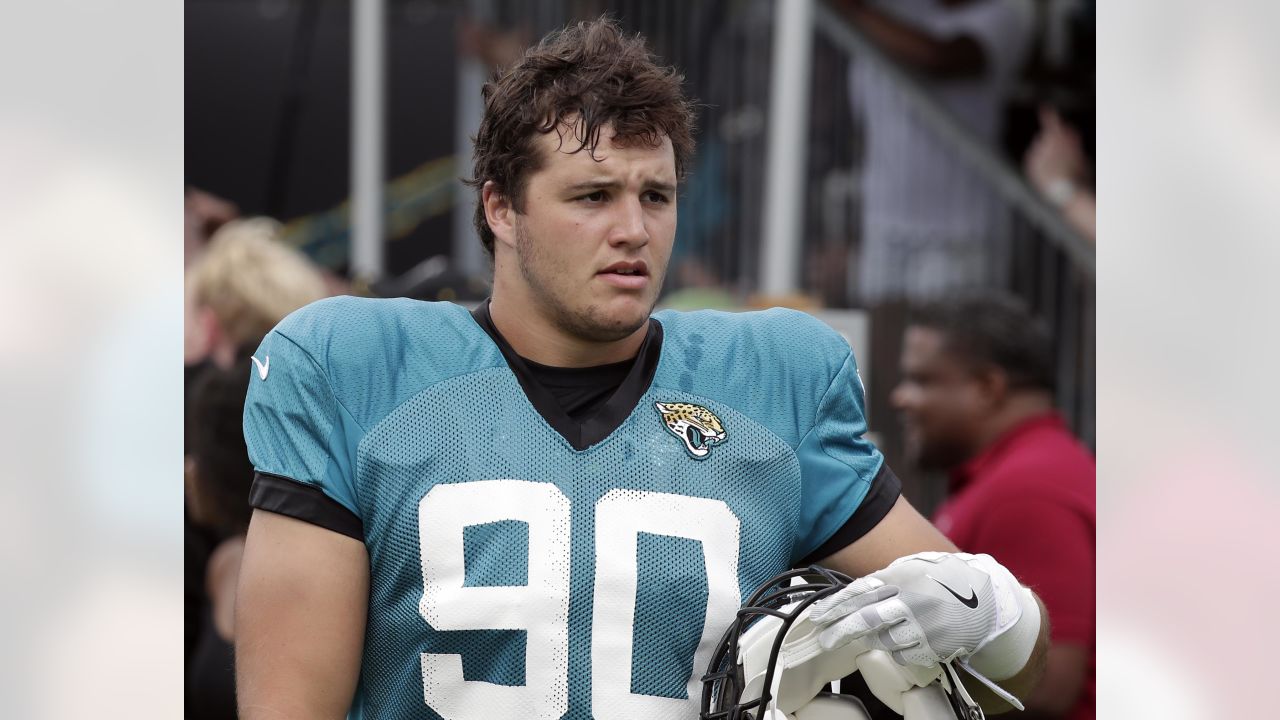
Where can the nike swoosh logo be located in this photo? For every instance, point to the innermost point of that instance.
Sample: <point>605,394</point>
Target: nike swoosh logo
<point>971,601</point>
<point>263,367</point>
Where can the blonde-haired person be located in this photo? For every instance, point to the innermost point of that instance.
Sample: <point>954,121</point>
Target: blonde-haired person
<point>245,282</point>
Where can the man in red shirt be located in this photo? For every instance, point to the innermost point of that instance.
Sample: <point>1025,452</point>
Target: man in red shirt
<point>977,400</point>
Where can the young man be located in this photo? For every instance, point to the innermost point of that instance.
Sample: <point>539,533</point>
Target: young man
<point>553,506</point>
<point>977,400</point>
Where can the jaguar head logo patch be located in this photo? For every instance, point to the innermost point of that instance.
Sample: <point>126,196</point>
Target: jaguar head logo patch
<point>695,425</point>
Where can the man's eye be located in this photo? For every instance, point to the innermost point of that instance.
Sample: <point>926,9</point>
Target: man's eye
<point>654,196</point>
<point>597,196</point>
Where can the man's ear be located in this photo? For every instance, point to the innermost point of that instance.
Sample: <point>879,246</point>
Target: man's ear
<point>208,329</point>
<point>994,384</point>
<point>499,213</point>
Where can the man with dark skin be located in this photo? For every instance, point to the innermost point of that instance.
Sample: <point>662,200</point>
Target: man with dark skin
<point>976,399</point>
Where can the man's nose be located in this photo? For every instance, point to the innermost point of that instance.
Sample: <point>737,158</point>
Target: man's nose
<point>629,228</point>
<point>899,397</point>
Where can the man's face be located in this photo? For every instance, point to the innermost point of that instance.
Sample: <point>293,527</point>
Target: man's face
<point>595,236</point>
<point>941,401</point>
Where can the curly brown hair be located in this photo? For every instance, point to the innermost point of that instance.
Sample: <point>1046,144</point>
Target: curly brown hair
<point>584,76</point>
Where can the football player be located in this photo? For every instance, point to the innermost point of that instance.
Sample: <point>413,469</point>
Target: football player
<point>554,505</point>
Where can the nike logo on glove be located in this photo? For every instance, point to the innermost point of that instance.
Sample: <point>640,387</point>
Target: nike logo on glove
<point>971,601</point>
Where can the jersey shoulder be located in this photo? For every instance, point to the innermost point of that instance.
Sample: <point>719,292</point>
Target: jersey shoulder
<point>785,335</point>
<point>774,365</point>
<point>376,352</point>
<point>365,321</point>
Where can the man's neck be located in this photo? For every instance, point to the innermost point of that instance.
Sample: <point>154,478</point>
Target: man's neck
<point>535,337</point>
<point>1018,408</point>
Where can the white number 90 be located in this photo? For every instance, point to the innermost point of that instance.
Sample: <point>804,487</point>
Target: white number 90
<point>541,607</point>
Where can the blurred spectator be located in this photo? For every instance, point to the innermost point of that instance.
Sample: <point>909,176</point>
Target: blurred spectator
<point>928,220</point>
<point>244,283</point>
<point>203,213</point>
<point>977,400</point>
<point>930,225</point>
<point>1056,166</point>
<point>496,46</point>
<point>218,476</point>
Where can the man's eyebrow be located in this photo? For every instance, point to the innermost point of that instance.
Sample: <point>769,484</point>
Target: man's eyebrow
<point>597,184</point>
<point>610,184</point>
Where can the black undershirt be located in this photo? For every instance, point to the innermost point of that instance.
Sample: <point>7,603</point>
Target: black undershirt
<point>583,405</point>
<point>580,391</point>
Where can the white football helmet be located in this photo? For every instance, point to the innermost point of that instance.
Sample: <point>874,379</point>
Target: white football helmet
<point>769,665</point>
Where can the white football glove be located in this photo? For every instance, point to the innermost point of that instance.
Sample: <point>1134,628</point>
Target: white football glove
<point>933,608</point>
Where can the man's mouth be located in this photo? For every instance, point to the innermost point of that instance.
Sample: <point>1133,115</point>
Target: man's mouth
<point>626,269</point>
<point>626,275</point>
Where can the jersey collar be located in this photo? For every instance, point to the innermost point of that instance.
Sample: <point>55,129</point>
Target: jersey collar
<point>615,411</point>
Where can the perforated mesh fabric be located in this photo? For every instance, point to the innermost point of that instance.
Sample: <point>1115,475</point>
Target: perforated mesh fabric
<point>657,637</point>
<point>435,406</point>
<point>496,554</point>
<point>494,433</point>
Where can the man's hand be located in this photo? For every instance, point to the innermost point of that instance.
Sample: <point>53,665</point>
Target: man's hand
<point>925,608</point>
<point>1055,154</point>
<point>933,608</point>
<point>1055,165</point>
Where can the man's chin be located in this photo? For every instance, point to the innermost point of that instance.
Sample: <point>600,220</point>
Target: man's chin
<point>930,455</point>
<point>612,329</point>
<point>622,316</point>
<point>610,323</point>
<point>938,457</point>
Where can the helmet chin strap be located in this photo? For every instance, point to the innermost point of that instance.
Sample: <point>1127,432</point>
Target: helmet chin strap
<point>999,691</point>
<point>961,702</point>
<point>965,706</point>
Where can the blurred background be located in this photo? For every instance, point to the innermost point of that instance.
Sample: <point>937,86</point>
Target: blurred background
<point>862,161</point>
<point>93,147</point>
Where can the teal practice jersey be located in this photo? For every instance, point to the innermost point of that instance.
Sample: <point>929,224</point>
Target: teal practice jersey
<point>523,567</point>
